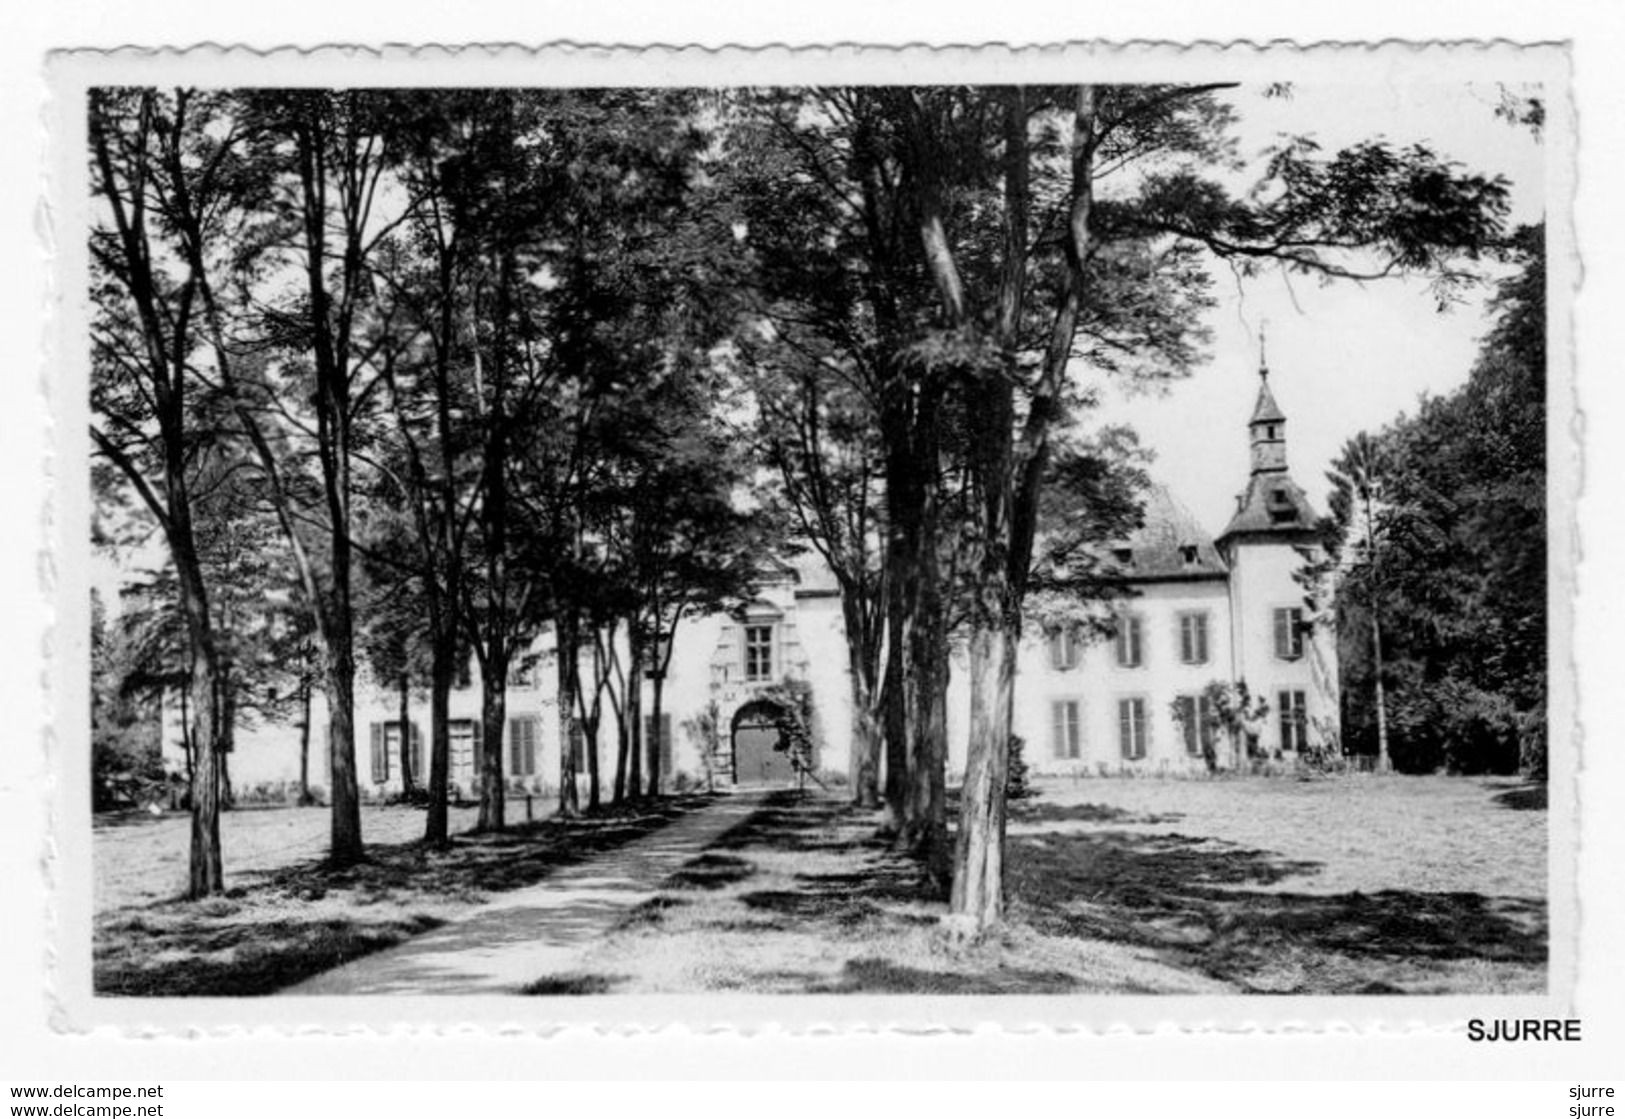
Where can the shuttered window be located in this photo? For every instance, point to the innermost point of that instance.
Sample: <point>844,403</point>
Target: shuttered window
<point>380,754</point>
<point>1130,642</point>
<point>1065,732</point>
<point>1294,720</point>
<point>1288,633</point>
<point>1193,638</point>
<point>1131,727</point>
<point>1196,723</point>
<point>465,745</point>
<point>522,733</point>
<point>1063,649</point>
<point>385,740</point>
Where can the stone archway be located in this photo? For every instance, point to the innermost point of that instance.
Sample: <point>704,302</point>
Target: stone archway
<point>759,749</point>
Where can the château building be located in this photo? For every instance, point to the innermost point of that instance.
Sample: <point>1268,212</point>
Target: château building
<point>1195,614</point>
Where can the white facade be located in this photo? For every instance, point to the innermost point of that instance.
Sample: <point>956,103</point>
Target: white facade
<point>1195,612</point>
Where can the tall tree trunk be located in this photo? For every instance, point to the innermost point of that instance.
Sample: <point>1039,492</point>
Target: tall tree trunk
<point>494,714</point>
<point>442,671</point>
<point>923,635</point>
<point>405,697</point>
<point>906,546</point>
<point>657,737</point>
<point>866,739</point>
<point>1384,762</point>
<point>188,736</point>
<point>591,719</point>
<point>978,881</point>
<point>1008,481</point>
<point>204,874</point>
<point>1384,759</point>
<point>925,831</point>
<point>345,831</point>
<point>304,740</point>
<point>894,706</point>
<point>638,654</point>
<point>226,685</point>
<point>568,648</point>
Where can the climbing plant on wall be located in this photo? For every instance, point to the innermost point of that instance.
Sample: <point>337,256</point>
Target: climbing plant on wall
<point>792,699</point>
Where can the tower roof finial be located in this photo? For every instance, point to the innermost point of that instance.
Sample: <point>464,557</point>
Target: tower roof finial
<point>1263,349</point>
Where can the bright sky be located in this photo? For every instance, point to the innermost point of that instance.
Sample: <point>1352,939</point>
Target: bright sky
<point>1343,358</point>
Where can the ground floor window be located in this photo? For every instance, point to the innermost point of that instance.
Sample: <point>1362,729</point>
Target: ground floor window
<point>465,744</point>
<point>1065,736</point>
<point>1294,720</point>
<point>385,741</point>
<point>1196,719</point>
<point>522,735</point>
<point>1132,730</point>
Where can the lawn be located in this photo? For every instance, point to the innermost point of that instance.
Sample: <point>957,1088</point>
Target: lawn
<point>1353,885</point>
<point>1344,885</point>
<point>286,914</point>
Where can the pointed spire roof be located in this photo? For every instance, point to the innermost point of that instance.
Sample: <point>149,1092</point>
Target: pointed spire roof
<point>1266,411</point>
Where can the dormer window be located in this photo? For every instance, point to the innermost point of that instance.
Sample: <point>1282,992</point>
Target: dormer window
<point>1189,554</point>
<point>1123,555</point>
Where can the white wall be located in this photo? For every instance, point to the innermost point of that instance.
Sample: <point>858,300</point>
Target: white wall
<point>1261,581</point>
<point>706,667</point>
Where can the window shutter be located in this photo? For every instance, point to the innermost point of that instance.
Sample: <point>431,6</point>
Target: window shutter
<point>1137,634</point>
<point>380,761</point>
<point>1058,729</point>
<point>1281,648</point>
<point>1125,728</point>
<point>417,753</point>
<point>477,731</point>
<point>514,747</point>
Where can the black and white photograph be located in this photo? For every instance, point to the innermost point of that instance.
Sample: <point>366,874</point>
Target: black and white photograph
<point>1055,538</point>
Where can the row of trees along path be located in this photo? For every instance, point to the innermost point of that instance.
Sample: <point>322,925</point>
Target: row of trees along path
<point>494,360</point>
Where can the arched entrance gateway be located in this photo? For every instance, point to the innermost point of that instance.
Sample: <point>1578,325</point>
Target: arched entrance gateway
<point>761,748</point>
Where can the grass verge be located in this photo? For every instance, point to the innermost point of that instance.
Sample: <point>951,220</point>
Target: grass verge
<point>286,924</point>
<point>1104,898</point>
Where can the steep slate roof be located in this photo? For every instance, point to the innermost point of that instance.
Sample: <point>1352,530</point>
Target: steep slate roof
<point>1159,548</point>
<point>1272,503</point>
<point>813,577</point>
<point>1266,410</point>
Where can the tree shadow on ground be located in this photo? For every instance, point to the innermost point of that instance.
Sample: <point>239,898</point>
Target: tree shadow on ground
<point>261,935</point>
<point>883,977</point>
<point>1524,798</point>
<point>1039,812</point>
<point>1199,904</point>
<point>789,820</point>
<point>240,960</point>
<point>489,862</point>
